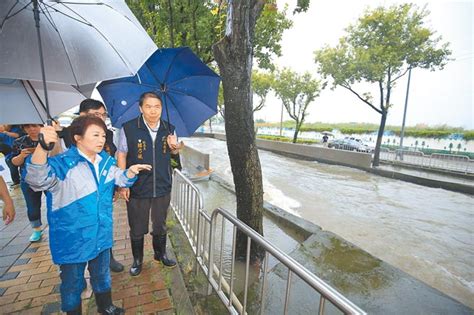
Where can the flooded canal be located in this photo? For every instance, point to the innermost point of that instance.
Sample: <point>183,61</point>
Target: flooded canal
<point>425,232</point>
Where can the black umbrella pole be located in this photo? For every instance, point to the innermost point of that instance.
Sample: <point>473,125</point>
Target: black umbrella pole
<point>46,146</point>
<point>167,113</point>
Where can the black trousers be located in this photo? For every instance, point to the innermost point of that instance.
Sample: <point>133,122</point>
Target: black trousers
<point>139,210</point>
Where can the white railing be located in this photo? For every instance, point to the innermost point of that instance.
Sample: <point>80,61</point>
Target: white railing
<point>201,231</point>
<point>457,163</point>
<point>436,161</point>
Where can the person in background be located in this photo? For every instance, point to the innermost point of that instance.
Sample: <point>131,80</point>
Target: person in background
<point>22,148</point>
<point>8,211</point>
<point>325,139</point>
<point>97,109</point>
<point>148,139</point>
<point>8,134</point>
<point>79,185</point>
<point>90,107</point>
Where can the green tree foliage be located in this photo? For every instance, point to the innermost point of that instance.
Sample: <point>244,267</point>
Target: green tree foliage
<point>172,23</point>
<point>296,92</point>
<point>200,24</point>
<point>268,34</point>
<point>380,49</point>
<point>301,6</point>
<point>262,84</point>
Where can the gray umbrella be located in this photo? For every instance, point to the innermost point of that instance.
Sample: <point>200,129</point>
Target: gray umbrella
<point>78,42</point>
<point>82,41</point>
<point>22,101</point>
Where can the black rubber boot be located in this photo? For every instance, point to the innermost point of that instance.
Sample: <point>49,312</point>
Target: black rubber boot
<point>105,306</point>
<point>137,251</point>
<point>77,311</point>
<point>159,247</point>
<point>115,266</point>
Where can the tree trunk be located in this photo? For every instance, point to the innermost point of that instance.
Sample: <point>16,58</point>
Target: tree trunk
<point>170,11</point>
<point>383,119</point>
<point>234,57</point>
<point>297,130</point>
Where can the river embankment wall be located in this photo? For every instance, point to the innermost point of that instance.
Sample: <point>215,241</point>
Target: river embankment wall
<point>358,160</point>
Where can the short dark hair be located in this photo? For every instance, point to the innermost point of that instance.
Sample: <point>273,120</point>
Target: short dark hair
<point>148,95</point>
<point>89,104</point>
<point>28,125</point>
<point>80,124</point>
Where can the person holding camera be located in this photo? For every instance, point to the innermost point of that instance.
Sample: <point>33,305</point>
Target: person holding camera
<point>22,148</point>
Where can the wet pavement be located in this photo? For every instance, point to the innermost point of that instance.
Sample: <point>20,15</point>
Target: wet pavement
<point>426,232</point>
<point>29,281</point>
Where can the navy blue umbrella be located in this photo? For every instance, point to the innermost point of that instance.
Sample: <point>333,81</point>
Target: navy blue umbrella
<point>187,86</point>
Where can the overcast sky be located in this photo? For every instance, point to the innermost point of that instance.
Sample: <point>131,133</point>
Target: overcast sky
<point>440,97</point>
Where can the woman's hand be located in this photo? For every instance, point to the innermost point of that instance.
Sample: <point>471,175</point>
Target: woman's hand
<point>137,168</point>
<point>8,212</point>
<point>49,134</point>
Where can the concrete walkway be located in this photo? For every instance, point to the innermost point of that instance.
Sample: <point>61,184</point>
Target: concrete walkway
<point>29,281</point>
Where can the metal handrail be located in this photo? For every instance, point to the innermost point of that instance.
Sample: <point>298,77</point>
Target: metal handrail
<point>179,205</point>
<point>327,292</point>
<point>187,204</point>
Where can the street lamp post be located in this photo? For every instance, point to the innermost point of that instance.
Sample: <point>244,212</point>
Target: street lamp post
<point>281,120</point>
<point>402,132</point>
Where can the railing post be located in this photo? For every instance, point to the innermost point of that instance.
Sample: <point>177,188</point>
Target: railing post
<point>212,232</point>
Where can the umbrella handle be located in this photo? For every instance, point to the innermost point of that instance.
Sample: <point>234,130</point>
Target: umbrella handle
<point>44,145</point>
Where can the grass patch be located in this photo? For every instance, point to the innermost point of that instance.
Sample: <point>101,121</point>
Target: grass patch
<point>286,139</point>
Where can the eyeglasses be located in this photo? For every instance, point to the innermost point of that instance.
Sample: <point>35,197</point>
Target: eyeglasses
<point>99,115</point>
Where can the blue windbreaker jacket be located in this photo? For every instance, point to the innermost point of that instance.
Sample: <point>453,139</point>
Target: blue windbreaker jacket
<point>79,204</point>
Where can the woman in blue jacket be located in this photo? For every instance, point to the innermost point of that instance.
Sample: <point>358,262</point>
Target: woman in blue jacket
<point>79,185</point>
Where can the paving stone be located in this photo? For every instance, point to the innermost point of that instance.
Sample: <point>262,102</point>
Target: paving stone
<point>20,240</point>
<point>13,282</point>
<point>3,270</point>
<point>21,261</point>
<point>9,276</point>
<point>51,308</point>
<point>23,267</point>
<point>30,284</point>
<point>34,293</point>
<point>9,234</point>
<point>13,249</point>
<point>57,288</point>
<point>4,241</point>
<point>7,261</point>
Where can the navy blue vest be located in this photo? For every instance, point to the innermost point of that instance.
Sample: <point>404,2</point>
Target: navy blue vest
<point>142,150</point>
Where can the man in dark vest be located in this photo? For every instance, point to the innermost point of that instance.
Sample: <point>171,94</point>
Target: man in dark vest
<point>96,108</point>
<point>148,139</point>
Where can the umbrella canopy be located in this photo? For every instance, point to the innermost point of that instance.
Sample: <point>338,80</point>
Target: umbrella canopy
<point>328,133</point>
<point>22,102</point>
<point>187,86</point>
<point>82,41</point>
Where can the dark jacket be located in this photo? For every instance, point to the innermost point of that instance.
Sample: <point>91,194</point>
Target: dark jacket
<point>110,147</point>
<point>142,150</point>
<point>24,142</point>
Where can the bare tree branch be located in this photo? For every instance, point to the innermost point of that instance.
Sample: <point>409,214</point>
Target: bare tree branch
<point>363,100</point>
